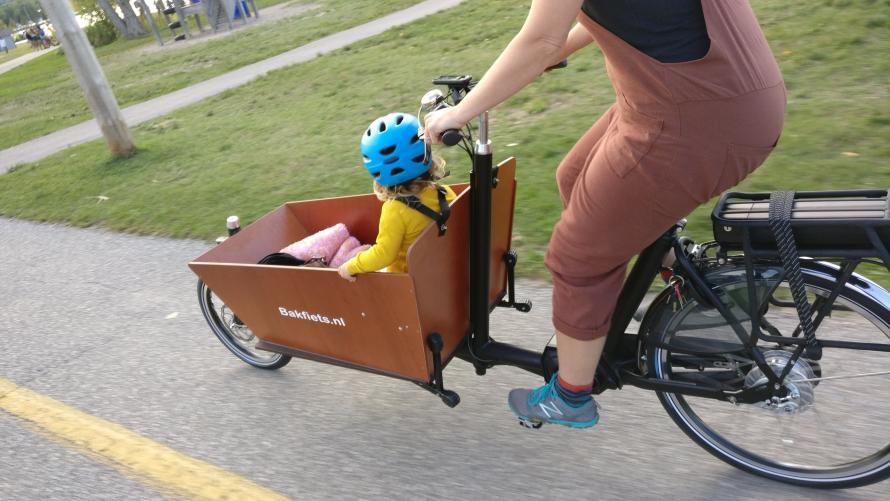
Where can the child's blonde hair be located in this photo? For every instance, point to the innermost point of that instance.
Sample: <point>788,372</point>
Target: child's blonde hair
<point>414,186</point>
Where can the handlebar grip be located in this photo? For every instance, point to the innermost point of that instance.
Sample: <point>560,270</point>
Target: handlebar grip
<point>451,137</point>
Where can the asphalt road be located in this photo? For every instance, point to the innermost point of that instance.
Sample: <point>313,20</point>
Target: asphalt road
<point>108,324</point>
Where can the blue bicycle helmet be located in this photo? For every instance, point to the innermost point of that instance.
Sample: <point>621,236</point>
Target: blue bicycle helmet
<point>392,150</point>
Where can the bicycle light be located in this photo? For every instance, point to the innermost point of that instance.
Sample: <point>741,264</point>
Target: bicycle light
<point>431,99</point>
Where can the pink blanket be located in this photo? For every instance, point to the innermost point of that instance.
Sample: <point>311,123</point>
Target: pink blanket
<point>333,245</point>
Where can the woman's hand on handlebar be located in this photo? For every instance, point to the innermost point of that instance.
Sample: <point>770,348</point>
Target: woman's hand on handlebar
<point>437,122</point>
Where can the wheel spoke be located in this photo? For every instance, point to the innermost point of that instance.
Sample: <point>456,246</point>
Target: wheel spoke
<point>234,335</point>
<point>849,376</point>
<point>826,425</point>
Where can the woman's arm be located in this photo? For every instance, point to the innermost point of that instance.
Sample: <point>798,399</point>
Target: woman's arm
<point>578,38</point>
<point>538,45</point>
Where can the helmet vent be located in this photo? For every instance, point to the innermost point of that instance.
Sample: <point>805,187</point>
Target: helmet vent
<point>382,126</point>
<point>400,119</point>
<point>391,160</point>
<point>376,175</point>
<point>418,159</point>
<point>414,139</point>
<point>396,171</point>
<point>368,132</point>
<point>366,159</point>
<point>388,150</point>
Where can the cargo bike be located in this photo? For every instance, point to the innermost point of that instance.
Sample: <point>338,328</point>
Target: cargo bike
<point>765,346</point>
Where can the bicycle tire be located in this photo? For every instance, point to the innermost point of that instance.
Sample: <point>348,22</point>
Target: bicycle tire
<point>229,339</point>
<point>864,298</point>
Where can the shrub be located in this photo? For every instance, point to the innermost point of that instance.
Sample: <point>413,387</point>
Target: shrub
<point>101,33</point>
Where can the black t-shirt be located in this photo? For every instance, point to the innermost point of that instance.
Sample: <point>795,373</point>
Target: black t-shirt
<point>670,31</point>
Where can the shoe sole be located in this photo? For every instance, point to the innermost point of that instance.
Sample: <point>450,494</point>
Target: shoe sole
<point>570,424</point>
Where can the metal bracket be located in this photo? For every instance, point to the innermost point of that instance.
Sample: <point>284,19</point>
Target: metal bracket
<point>450,398</point>
<point>525,306</point>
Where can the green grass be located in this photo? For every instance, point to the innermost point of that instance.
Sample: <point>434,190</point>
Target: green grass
<point>262,4</point>
<point>42,96</point>
<point>19,51</point>
<point>294,133</point>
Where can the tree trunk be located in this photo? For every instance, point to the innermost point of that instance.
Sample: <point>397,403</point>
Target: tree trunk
<point>134,26</point>
<point>129,25</point>
<point>112,16</point>
<point>91,78</point>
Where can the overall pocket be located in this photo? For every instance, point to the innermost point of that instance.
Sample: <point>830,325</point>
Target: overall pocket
<point>630,139</point>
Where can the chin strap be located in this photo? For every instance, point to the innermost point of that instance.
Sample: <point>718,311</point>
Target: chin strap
<point>440,217</point>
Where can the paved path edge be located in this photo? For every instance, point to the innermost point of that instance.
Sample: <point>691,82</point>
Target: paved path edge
<point>44,146</point>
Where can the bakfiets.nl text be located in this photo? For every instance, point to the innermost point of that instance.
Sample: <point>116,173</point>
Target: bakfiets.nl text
<point>314,317</point>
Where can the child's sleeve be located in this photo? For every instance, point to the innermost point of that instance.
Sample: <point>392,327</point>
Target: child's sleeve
<point>389,240</point>
<point>449,194</point>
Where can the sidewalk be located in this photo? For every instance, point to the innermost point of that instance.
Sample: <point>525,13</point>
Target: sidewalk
<point>15,63</point>
<point>45,146</point>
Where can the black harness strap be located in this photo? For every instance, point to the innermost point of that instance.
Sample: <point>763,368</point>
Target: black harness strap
<point>780,206</point>
<point>440,217</point>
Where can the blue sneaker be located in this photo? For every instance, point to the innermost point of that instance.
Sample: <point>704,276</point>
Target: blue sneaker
<point>544,405</point>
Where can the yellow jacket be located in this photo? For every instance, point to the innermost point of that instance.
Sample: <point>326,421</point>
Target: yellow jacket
<point>400,226</point>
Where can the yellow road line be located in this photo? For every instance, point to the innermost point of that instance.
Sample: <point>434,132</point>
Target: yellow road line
<point>128,450</point>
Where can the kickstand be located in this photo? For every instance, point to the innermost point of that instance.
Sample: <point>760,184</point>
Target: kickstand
<point>436,386</point>
<point>510,259</point>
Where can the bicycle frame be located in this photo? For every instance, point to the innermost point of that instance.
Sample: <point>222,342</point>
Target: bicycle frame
<point>620,354</point>
<point>484,352</point>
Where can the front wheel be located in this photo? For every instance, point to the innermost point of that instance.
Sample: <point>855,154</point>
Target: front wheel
<point>832,429</point>
<point>236,336</point>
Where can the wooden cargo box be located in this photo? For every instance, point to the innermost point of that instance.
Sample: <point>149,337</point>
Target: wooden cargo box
<point>378,323</point>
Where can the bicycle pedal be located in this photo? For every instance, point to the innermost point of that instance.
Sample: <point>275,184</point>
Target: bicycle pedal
<point>532,425</point>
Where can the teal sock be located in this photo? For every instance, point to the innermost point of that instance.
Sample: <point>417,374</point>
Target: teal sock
<point>574,395</point>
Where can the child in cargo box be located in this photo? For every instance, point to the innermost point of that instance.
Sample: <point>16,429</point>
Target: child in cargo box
<point>405,178</point>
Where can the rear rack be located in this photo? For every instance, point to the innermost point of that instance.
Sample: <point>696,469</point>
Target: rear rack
<point>841,224</point>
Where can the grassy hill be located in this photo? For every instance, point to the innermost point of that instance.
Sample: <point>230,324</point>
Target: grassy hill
<point>42,96</point>
<point>294,133</point>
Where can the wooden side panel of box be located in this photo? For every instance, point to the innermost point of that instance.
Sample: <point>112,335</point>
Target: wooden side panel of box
<point>372,322</point>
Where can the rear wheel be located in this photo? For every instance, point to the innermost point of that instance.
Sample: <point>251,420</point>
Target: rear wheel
<point>236,336</point>
<point>831,431</point>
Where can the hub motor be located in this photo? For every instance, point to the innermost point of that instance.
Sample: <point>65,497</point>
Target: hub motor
<point>800,394</point>
<point>237,328</point>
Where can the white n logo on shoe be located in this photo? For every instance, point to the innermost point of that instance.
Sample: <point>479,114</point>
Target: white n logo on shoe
<point>551,408</point>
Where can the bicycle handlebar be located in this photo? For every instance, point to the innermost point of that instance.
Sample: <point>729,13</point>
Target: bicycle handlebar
<point>451,137</point>
<point>458,86</point>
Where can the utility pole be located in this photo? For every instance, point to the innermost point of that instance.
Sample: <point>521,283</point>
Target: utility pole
<point>91,77</point>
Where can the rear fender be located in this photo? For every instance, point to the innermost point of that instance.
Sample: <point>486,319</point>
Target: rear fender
<point>822,270</point>
<point>817,271</point>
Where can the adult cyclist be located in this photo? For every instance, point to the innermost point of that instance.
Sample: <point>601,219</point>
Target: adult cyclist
<point>700,104</point>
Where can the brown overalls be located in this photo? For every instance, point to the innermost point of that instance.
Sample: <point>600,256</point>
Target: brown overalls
<point>679,134</point>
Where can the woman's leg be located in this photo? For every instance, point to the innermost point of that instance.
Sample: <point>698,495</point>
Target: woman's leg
<point>572,352</point>
<point>582,311</point>
<point>576,358</point>
<point>573,405</point>
<point>615,209</point>
<point>573,164</point>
